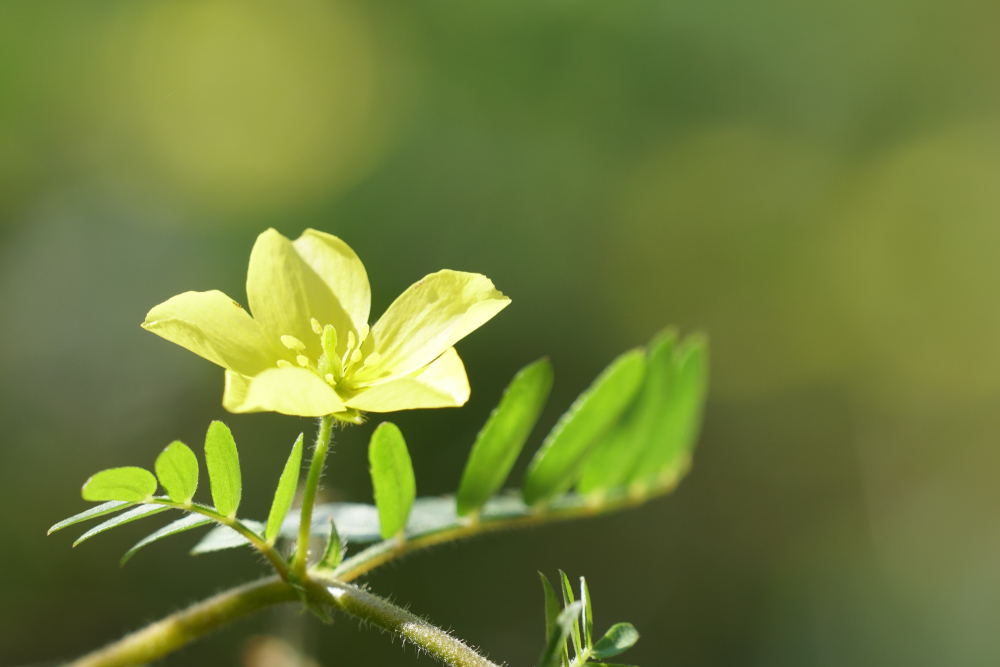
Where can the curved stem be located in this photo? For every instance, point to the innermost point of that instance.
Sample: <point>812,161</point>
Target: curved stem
<point>309,496</point>
<point>177,630</point>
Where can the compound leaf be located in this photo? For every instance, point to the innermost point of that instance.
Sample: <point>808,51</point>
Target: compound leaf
<point>92,513</point>
<point>179,526</point>
<point>177,469</point>
<point>285,494</point>
<point>504,434</point>
<point>223,469</point>
<point>392,478</point>
<point>133,514</point>
<point>555,466</point>
<point>128,484</point>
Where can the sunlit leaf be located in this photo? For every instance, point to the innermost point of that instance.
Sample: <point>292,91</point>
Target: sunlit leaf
<point>179,526</point>
<point>614,457</point>
<point>177,469</point>
<point>285,494</point>
<point>223,469</point>
<point>392,478</point>
<point>126,484</point>
<point>556,465</point>
<point>121,519</point>
<point>224,537</point>
<point>502,438</point>
<point>677,431</point>
<point>567,590</point>
<point>551,606</point>
<point>588,614</point>
<point>556,646</point>
<point>620,638</point>
<point>92,513</point>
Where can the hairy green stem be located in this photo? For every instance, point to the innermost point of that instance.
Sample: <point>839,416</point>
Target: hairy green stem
<point>309,496</point>
<point>177,630</point>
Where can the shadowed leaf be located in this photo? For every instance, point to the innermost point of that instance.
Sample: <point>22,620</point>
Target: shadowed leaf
<point>179,526</point>
<point>620,638</point>
<point>122,519</point>
<point>92,513</point>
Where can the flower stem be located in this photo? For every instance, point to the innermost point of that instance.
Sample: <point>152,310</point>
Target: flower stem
<point>309,497</point>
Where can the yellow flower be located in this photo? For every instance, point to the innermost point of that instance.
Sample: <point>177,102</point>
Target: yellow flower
<point>308,349</point>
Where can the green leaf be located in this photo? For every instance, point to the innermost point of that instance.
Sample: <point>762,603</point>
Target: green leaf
<point>676,432</point>
<point>177,468</point>
<point>556,465</point>
<point>567,590</point>
<point>179,526</point>
<point>588,614</point>
<point>620,638</point>
<point>133,514</point>
<point>392,478</point>
<point>224,537</point>
<point>92,513</point>
<point>223,469</point>
<point>614,457</point>
<point>130,485</point>
<point>502,438</point>
<point>285,494</point>
<point>334,549</point>
<point>551,606</point>
<point>556,647</point>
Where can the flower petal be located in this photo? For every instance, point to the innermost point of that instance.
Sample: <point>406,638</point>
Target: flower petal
<point>443,384</point>
<point>428,318</point>
<point>290,391</point>
<point>318,276</point>
<point>342,271</point>
<point>213,326</point>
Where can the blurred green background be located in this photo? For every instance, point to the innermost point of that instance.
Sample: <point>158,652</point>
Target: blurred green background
<point>816,185</point>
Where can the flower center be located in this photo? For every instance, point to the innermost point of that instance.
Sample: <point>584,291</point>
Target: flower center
<point>333,368</point>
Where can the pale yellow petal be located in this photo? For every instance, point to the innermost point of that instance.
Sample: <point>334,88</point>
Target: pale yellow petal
<point>290,391</point>
<point>344,274</point>
<point>443,384</point>
<point>290,284</point>
<point>428,318</point>
<point>213,326</point>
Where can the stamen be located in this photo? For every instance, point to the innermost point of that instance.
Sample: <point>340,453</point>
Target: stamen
<point>317,327</point>
<point>355,356</point>
<point>350,341</point>
<point>363,334</point>
<point>373,359</point>
<point>303,360</point>
<point>330,378</point>
<point>284,364</point>
<point>293,343</point>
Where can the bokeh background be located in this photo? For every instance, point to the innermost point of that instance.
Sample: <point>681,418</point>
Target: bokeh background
<point>815,185</point>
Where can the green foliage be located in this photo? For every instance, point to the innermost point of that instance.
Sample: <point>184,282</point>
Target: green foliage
<point>615,456</point>
<point>555,466</point>
<point>129,484</point>
<point>177,469</point>
<point>620,638</point>
<point>285,494</point>
<point>677,430</point>
<point>186,523</point>
<point>504,434</point>
<point>224,537</point>
<point>136,513</point>
<point>392,478</point>
<point>223,469</point>
<point>335,548</point>
<point>92,513</point>
<point>576,621</point>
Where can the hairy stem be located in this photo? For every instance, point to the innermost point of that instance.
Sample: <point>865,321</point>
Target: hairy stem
<point>180,629</point>
<point>309,496</point>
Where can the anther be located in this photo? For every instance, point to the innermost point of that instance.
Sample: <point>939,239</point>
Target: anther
<point>284,364</point>
<point>355,356</point>
<point>373,359</point>
<point>303,360</point>
<point>317,327</point>
<point>329,378</point>
<point>363,334</point>
<point>293,343</point>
